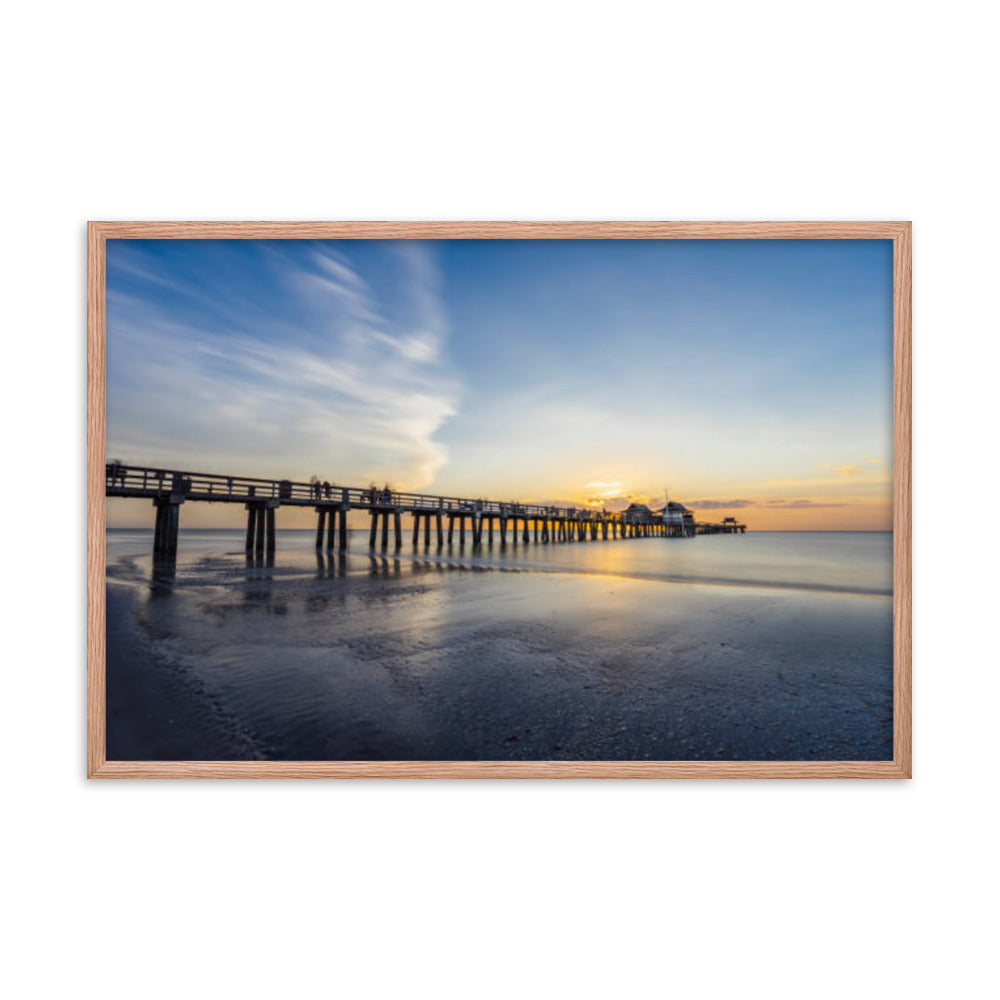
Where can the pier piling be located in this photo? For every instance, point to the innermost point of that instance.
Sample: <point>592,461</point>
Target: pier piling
<point>166,525</point>
<point>259,536</point>
<point>252,527</point>
<point>261,498</point>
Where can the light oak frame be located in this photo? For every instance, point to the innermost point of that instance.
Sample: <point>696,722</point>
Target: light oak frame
<point>899,767</point>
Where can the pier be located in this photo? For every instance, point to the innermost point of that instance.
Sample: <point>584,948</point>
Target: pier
<point>436,519</point>
<point>728,526</point>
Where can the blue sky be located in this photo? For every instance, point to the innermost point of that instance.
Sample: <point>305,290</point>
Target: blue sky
<point>750,373</point>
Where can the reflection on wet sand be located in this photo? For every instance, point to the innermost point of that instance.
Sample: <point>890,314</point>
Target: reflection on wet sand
<point>329,566</point>
<point>380,566</point>
<point>164,573</point>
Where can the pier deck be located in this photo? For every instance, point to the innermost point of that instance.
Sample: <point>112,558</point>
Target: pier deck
<point>169,489</point>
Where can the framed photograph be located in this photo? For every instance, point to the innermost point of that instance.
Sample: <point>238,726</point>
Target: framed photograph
<point>499,499</point>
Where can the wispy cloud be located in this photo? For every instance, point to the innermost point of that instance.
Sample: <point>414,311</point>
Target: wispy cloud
<point>602,492</point>
<point>801,504</point>
<point>319,375</point>
<point>719,504</point>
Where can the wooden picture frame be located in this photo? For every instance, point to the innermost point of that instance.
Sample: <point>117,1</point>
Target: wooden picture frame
<point>899,232</point>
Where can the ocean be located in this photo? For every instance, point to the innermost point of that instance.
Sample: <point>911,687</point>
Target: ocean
<point>764,646</point>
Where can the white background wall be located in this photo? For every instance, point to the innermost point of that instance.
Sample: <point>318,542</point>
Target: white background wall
<point>506,111</point>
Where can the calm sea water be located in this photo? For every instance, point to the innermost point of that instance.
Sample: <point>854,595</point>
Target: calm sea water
<point>847,562</point>
<point>762,646</point>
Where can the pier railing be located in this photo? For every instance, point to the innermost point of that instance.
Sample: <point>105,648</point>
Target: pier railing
<point>169,489</point>
<point>143,481</point>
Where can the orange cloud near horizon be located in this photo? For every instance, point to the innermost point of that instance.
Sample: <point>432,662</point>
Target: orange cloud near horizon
<point>807,514</point>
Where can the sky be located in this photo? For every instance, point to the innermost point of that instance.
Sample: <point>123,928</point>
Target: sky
<point>746,378</point>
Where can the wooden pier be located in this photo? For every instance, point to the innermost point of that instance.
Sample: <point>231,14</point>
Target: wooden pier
<point>434,517</point>
<point>728,526</point>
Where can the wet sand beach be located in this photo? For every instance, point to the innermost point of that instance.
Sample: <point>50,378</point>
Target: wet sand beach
<point>450,657</point>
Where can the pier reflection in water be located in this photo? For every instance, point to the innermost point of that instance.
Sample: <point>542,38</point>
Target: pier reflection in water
<point>384,566</point>
<point>834,562</point>
<point>164,573</point>
<point>330,565</point>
